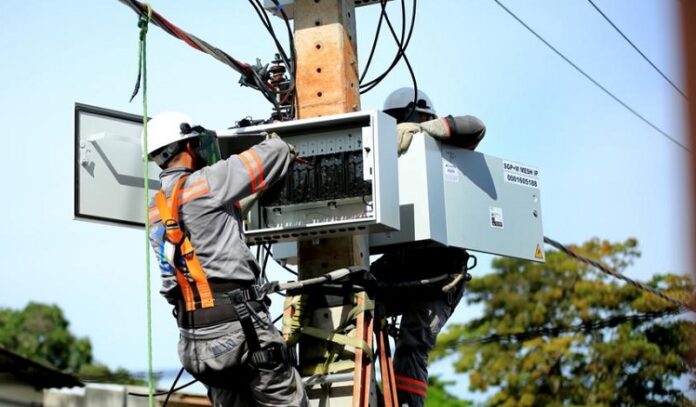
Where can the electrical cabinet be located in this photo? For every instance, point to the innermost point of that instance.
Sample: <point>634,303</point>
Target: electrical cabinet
<point>344,183</point>
<point>454,197</point>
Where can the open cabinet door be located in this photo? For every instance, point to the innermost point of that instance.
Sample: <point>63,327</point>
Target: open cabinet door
<point>108,162</point>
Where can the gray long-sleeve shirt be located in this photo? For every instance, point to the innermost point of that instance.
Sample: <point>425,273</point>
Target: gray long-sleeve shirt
<point>209,211</point>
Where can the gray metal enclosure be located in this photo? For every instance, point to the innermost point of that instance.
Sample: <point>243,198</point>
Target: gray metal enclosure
<point>456,197</point>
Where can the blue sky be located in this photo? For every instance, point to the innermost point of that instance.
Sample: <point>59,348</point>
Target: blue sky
<point>603,172</point>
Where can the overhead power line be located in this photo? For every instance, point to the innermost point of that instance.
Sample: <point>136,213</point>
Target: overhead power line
<point>591,79</point>
<point>250,76</point>
<point>608,270</point>
<point>583,327</point>
<point>636,48</point>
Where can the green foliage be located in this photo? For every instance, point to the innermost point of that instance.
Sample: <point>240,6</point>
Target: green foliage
<point>438,396</point>
<point>634,363</point>
<point>40,332</point>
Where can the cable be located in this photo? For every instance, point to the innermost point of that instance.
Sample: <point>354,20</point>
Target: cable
<point>577,68</point>
<point>250,76</point>
<point>265,20</point>
<point>399,42</point>
<point>290,63</point>
<point>612,322</point>
<point>171,389</point>
<point>374,43</point>
<point>607,270</point>
<point>636,48</point>
<point>402,43</point>
<point>288,269</point>
<point>162,393</point>
<point>265,261</point>
<point>293,58</point>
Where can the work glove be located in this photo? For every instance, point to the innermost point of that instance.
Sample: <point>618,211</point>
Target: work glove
<point>404,135</point>
<point>461,131</point>
<point>245,204</point>
<point>293,152</point>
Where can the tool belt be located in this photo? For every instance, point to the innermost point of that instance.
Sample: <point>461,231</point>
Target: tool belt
<point>225,310</point>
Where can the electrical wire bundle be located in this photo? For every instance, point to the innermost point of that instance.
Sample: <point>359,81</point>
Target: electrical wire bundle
<point>253,76</point>
<point>284,89</point>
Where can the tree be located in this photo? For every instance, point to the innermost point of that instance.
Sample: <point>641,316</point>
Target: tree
<point>589,339</point>
<point>40,332</point>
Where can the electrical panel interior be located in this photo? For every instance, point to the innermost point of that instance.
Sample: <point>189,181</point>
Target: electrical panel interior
<point>344,182</point>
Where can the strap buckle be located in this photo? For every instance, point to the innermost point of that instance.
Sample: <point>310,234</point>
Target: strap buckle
<point>242,295</point>
<point>173,233</point>
<point>274,354</point>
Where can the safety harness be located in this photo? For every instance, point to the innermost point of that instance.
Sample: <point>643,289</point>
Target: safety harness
<point>207,303</point>
<point>191,272</point>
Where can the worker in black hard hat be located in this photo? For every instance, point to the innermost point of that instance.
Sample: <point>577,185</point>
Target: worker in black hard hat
<point>428,307</point>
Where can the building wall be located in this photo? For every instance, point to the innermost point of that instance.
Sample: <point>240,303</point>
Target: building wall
<point>13,392</point>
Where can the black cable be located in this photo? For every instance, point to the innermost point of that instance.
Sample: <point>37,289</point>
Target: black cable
<point>400,46</point>
<point>374,44</point>
<point>402,43</point>
<point>577,68</point>
<point>289,62</point>
<point>636,48</point>
<point>584,327</point>
<point>288,269</point>
<point>250,77</point>
<point>265,261</point>
<point>293,59</point>
<point>171,389</point>
<point>609,271</point>
<point>162,393</point>
<point>265,20</point>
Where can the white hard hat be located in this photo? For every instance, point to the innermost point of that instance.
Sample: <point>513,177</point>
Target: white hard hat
<point>403,98</point>
<point>165,129</point>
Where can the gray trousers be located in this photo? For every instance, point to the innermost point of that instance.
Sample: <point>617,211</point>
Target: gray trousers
<point>424,313</point>
<point>219,358</point>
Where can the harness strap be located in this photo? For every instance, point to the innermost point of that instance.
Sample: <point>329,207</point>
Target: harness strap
<point>340,339</point>
<point>240,299</point>
<point>328,368</point>
<point>175,235</point>
<point>274,354</point>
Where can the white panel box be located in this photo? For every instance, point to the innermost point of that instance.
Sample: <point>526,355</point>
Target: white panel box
<point>345,184</point>
<point>108,162</point>
<point>450,196</point>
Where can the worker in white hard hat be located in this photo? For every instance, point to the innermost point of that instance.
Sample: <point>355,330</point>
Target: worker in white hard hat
<point>428,307</point>
<point>227,339</point>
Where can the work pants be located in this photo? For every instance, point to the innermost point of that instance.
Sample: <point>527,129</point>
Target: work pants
<point>424,312</point>
<point>223,365</point>
<point>421,322</point>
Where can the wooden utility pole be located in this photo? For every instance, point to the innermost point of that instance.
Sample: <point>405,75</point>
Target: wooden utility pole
<point>327,83</point>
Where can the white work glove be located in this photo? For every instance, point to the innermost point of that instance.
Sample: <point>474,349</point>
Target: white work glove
<point>245,204</point>
<point>404,135</point>
<point>293,152</point>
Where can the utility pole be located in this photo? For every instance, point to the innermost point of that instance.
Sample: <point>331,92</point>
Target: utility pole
<point>327,83</point>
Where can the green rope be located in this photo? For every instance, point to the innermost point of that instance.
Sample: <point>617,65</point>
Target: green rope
<point>142,69</point>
